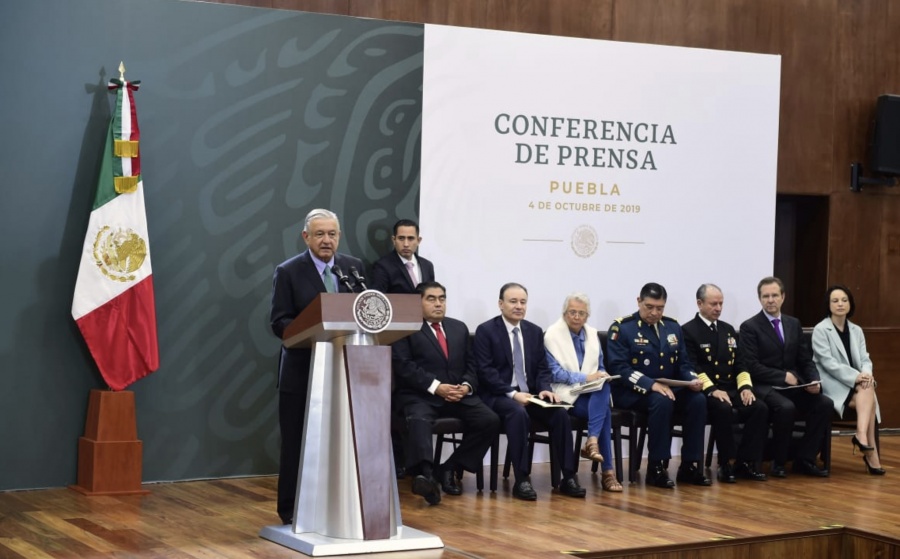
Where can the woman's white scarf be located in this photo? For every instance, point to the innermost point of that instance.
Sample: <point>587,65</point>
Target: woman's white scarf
<point>558,341</point>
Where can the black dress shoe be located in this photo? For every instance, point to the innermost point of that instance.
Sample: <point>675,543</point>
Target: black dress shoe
<point>657,476</point>
<point>808,468</point>
<point>693,474</point>
<point>726,473</point>
<point>523,490</point>
<point>571,488</point>
<point>778,471</point>
<point>747,470</point>
<point>449,483</point>
<point>427,488</point>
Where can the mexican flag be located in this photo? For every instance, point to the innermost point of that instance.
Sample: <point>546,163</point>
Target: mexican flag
<point>114,305</point>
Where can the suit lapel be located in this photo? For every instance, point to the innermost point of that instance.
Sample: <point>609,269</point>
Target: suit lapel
<point>526,333</point>
<point>769,328</point>
<point>312,275</point>
<point>429,333</point>
<point>505,342</point>
<point>400,265</point>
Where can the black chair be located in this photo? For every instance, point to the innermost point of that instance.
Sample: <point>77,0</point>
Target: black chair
<point>848,423</point>
<point>539,433</point>
<point>620,420</point>
<point>677,431</point>
<point>799,430</point>
<point>447,429</point>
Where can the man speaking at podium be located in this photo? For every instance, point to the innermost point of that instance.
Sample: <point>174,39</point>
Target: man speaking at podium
<point>297,282</point>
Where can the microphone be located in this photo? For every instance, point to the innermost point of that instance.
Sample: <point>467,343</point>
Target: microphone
<point>342,277</point>
<point>360,281</point>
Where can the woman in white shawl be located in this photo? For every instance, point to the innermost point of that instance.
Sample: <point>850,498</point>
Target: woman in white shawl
<point>575,357</point>
<point>839,350</point>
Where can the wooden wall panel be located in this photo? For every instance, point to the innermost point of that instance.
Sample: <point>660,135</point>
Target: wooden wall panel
<point>884,350</point>
<point>581,18</point>
<point>684,23</point>
<point>855,232</point>
<point>802,32</point>
<point>864,248</point>
<point>340,7</point>
<point>837,57</point>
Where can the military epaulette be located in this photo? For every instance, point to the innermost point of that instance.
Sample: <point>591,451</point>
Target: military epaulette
<point>670,319</point>
<point>623,319</point>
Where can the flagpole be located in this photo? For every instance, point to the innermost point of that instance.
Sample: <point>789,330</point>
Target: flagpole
<point>114,287</point>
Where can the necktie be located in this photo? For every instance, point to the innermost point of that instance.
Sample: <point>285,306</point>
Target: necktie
<point>442,341</point>
<point>328,279</point>
<point>519,362</point>
<point>712,325</point>
<point>775,323</point>
<point>411,270</point>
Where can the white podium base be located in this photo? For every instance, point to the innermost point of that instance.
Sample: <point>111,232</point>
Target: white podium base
<point>317,545</point>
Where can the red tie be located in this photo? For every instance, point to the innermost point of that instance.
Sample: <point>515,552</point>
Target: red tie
<point>442,341</point>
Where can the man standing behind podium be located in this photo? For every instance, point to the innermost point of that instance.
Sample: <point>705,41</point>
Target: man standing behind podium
<point>401,270</point>
<point>512,366</point>
<point>297,282</point>
<point>436,378</point>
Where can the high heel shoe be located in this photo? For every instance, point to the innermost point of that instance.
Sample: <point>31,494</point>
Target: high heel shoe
<point>863,447</point>
<point>873,471</point>
<point>591,451</point>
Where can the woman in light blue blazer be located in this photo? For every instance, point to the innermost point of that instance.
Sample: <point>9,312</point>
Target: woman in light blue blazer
<point>839,350</point>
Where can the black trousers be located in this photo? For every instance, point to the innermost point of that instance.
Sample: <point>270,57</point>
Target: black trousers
<point>481,427</point>
<point>516,420</point>
<point>783,407</point>
<point>755,418</point>
<point>291,412</point>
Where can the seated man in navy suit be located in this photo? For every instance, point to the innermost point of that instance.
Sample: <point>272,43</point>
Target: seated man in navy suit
<point>297,283</point>
<point>402,269</point>
<point>435,377</point>
<point>512,367</point>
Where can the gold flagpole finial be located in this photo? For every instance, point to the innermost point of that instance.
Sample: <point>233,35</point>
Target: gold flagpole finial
<point>122,71</point>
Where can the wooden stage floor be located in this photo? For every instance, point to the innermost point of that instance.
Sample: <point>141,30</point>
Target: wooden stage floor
<point>221,518</point>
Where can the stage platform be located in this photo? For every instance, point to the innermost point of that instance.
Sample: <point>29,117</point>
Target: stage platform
<point>222,518</point>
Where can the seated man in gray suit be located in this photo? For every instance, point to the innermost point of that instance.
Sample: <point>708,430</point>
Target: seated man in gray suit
<point>435,377</point>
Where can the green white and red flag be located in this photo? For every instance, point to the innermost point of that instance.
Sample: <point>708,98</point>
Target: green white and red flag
<point>114,304</point>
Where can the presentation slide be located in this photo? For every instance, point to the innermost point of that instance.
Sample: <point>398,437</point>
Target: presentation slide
<point>595,166</point>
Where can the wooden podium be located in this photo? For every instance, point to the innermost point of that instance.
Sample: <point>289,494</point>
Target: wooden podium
<point>347,500</point>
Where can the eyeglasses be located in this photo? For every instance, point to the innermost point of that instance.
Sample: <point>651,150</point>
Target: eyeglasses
<point>577,314</point>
